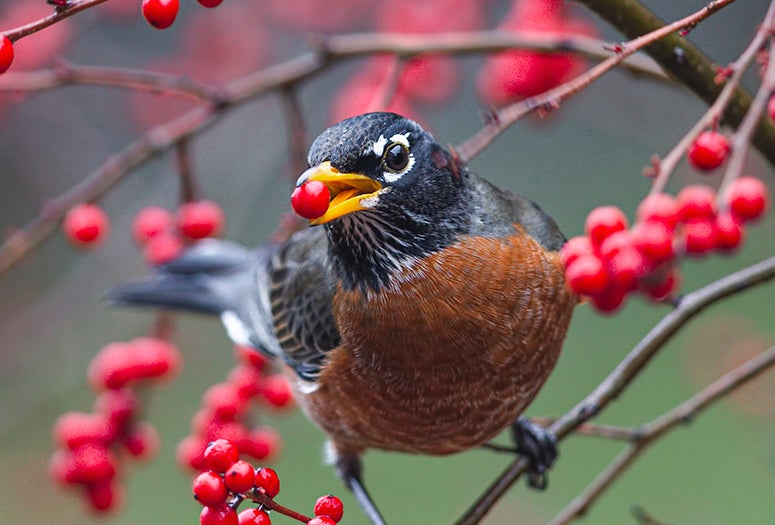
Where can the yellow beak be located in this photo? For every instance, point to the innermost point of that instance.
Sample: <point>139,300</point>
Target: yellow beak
<point>347,190</point>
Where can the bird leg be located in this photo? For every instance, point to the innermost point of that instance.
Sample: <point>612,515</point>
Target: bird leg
<point>538,445</point>
<point>348,467</point>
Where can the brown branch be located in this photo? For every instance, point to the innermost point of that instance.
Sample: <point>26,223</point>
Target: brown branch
<point>684,62</point>
<point>507,116</point>
<point>635,362</point>
<point>666,166</point>
<point>59,14</point>
<point>652,431</point>
<point>67,74</point>
<point>298,136</point>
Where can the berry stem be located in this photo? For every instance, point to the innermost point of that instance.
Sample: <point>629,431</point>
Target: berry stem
<point>270,504</point>
<point>189,185</point>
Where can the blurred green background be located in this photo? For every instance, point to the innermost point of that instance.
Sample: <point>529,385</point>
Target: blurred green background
<point>718,470</point>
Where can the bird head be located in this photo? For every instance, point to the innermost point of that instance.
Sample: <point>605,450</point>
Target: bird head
<point>396,194</point>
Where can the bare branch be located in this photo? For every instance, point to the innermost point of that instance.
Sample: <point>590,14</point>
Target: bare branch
<point>59,14</point>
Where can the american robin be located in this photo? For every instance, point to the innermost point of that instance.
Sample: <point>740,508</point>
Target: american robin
<point>421,313</point>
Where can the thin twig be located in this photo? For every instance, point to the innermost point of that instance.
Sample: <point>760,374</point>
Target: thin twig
<point>507,116</point>
<point>608,390</point>
<point>650,432</point>
<point>298,136</point>
<point>667,166</point>
<point>59,14</point>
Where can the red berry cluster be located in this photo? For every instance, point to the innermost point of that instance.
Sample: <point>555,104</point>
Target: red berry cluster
<point>612,261</point>
<point>516,74</point>
<point>91,444</point>
<point>229,481</point>
<point>225,410</point>
<point>387,83</point>
<point>86,225</point>
<point>162,236</point>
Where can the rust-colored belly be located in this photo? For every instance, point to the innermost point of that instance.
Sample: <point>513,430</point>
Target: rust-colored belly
<point>449,357</point>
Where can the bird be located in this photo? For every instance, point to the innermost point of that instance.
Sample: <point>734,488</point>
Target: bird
<point>421,313</point>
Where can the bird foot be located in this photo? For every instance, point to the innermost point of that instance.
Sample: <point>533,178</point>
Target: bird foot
<point>348,467</point>
<point>539,446</point>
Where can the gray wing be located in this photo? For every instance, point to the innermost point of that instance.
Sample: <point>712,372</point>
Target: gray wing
<point>301,291</point>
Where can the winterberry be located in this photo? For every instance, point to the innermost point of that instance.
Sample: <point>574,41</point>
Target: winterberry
<point>74,429</point>
<point>574,248</point>
<point>118,406</point>
<point>221,514</point>
<point>92,463</point>
<point>221,454</point>
<point>162,248</point>
<point>160,13</point>
<point>277,391</point>
<point>771,107</point>
<point>103,496</point>
<point>587,275</point>
<point>86,225</point>
<point>708,151</point>
<point>261,443</point>
<point>246,380</point>
<point>210,3</point>
<point>658,207</point>
<point>321,520</point>
<point>267,480</point>
<point>239,478</point>
<point>250,356</point>
<point>728,232</point>
<point>151,222</point>
<point>310,199</point>
<point>224,400</point>
<point>201,219</point>
<point>626,266</point>
<point>696,202</point>
<point>142,441</point>
<point>699,235</point>
<point>604,221</point>
<point>661,289</point>
<point>209,489</point>
<point>6,54</point>
<point>748,198</point>
<point>254,516</point>
<point>609,300</point>
<point>329,505</point>
<point>654,240</point>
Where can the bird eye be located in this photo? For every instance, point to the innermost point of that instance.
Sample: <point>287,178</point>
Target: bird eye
<point>396,157</point>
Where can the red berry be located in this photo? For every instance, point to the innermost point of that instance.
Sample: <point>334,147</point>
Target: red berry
<point>143,441</point>
<point>162,249</point>
<point>267,480</point>
<point>708,151</point>
<point>654,240</point>
<point>210,3</point>
<point>6,54</point>
<point>200,219</point>
<point>699,235</point>
<point>748,198</point>
<point>277,391</point>
<point>609,300</point>
<point>224,400</point>
<point>262,443</point>
<point>658,207</point>
<point>587,275</point>
<point>118,406</point>
<point>310,200</point>
<point>329,505</point>
<point>86,225</point>
<point>575,248</point>
<point>663,288</point>
<point>209,489</point>
<point>696,202</point>
<point>322,520</point>
<point>189,452</point>
<point>250,356</point>
<point>218,515</point>
<point>626,266</point>
<point>160,13</point>
<point>92,463</point>
<point>103,497</point>
<point>246,381</point>
<point>604,221</point>
<point>151,222</point>
<point>771,107</point>
<point>254,516</point>
<point>239,478</point>
<point>728,231</point>
<point>74,429</point>
<point>221,454</point>
<point>112,367</point>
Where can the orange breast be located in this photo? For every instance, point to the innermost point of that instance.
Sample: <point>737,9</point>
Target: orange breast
<point>450,355</point>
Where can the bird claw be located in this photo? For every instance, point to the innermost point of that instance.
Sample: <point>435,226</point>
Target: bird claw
<point>539,446</point>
